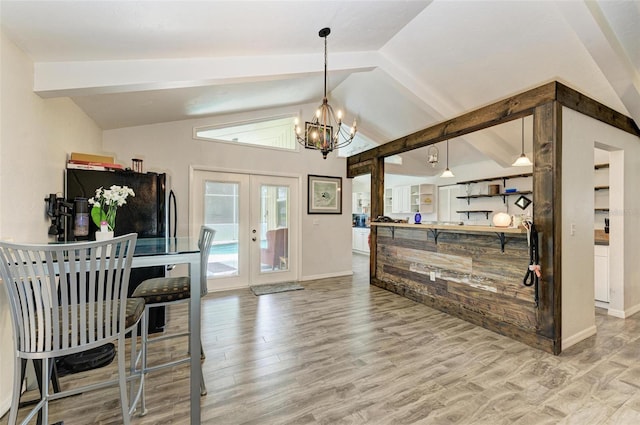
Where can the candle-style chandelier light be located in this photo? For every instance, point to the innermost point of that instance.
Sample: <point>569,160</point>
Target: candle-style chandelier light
<point>324,132</point>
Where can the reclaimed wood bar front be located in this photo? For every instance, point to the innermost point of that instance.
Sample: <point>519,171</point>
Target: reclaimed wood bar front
<point>473,272</point>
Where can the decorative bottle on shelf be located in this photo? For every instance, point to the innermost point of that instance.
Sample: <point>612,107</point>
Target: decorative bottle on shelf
<point>417,218</point>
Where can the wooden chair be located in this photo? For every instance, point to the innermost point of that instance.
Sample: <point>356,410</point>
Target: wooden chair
<point>166,291</point>
<point>68,298</point>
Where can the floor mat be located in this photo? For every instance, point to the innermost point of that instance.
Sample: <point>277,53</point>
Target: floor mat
<point>274,288</point>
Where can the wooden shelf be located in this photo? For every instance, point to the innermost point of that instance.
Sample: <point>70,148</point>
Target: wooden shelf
<point>599,166</point>
<point>468,212</point>
<point>503,178</point>
<point>602,209</point>
<point>504,195</point>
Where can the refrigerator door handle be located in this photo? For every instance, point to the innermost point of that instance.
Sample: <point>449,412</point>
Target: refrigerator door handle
<point>172,203</point>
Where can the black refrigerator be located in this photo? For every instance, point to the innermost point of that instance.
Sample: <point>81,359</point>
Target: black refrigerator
<point>145,214</point>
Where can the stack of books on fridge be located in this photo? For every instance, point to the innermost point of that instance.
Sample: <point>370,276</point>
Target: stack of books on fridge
<point>85,161</point>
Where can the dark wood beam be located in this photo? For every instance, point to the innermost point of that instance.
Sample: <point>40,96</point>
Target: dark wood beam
<point>497,113</point>
<point>547,210</point>
<point>585,105</point>
<point>377,209</point>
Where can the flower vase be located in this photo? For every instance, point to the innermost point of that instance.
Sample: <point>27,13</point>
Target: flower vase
<point>104,236</point>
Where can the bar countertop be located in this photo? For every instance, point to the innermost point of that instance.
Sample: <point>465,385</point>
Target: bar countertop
<point>455,227</point>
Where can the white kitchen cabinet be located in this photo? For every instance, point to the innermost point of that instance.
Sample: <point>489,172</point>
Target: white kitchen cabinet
<point>401,200</point>
<point>601,273</point>
<point>360,240</point>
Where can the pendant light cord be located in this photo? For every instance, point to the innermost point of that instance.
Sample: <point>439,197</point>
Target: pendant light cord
<point>522,133</point>
<point>447,154</point>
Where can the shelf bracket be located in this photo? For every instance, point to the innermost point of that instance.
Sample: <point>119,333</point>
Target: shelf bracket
<point>502,240</point>
<point>435,234</point>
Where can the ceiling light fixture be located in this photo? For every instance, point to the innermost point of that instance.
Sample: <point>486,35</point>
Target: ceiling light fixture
<point>319,134</point>
<point>447,172</point>
<point>522,160</point>
<point>432,155</point>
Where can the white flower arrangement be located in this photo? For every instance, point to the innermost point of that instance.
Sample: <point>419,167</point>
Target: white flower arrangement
<point>106,202</point>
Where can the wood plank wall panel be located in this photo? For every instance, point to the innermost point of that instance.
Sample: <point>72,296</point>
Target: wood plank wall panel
<point>474,279</point>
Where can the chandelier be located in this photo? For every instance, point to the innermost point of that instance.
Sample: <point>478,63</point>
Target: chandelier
<point>325,132</point>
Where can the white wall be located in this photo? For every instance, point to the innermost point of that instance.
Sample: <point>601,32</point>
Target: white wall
<point>170,147</point>
<point>578,181</point>
<point>580,134</point>
<point>35,137</point>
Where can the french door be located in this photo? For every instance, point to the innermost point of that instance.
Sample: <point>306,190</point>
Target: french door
<point>256,221</point>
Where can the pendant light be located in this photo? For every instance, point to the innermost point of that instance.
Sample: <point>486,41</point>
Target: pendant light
<point>325,132</point>
<point>432,155</point>
<point>522,160</point>
<point>447,172</point>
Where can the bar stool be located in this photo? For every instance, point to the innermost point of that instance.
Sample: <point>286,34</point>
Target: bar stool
<point>167,291</point>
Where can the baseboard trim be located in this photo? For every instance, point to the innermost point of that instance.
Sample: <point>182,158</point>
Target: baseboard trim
<point>327,275</point>
<point>576,338</point>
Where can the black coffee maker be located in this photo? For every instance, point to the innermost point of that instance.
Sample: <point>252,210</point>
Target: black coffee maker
<point>81,219</point>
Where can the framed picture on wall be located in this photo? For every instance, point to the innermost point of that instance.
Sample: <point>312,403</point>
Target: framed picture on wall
<point>324,195</point>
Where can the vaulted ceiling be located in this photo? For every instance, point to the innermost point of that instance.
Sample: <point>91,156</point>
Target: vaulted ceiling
<point>398,66</point>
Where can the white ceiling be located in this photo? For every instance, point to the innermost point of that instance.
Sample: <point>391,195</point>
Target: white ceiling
<point>398,66</point>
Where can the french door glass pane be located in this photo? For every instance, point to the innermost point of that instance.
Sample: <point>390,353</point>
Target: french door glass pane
<point>274,228</point>
<point>221,213</point>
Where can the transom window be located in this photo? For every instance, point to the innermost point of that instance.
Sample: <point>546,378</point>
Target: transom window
<point>277,133</point>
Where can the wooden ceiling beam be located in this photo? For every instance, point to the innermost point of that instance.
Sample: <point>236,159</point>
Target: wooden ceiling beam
<point>496,113</point>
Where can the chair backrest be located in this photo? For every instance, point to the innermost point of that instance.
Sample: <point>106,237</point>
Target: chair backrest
<point>66,298</point>
<point>204,244</point>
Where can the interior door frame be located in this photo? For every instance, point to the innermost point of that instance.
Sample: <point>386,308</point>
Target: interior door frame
<point>295,210</point>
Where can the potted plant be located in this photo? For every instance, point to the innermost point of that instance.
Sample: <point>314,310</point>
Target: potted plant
<point>105,206</point>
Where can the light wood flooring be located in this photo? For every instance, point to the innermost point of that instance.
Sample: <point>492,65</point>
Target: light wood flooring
<point>343,352</point>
